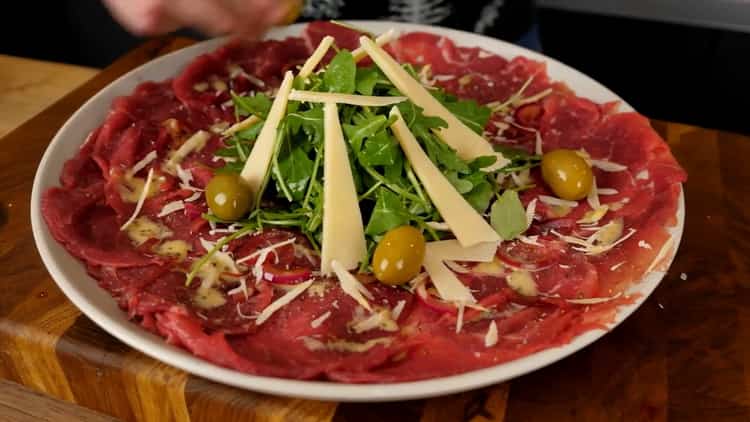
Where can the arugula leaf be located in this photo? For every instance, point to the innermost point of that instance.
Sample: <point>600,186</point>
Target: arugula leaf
<point>363,127</point>
<point>461,185</point>
<point>258,104</point>
<point>480,196</point>
<point>309,121</point>
<point>297,169</point>
<point>340,75</point>
<point>381,150</point>
<point>470,113</point>
<point>367,78</point>
<point>508,216</point>
<point>388,213</point>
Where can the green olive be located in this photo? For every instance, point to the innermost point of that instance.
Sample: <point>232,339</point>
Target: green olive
<point>567,174</point>
<point>399,255</point>
<point>228,196</point>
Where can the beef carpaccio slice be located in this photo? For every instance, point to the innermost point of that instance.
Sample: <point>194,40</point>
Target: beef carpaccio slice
<point>315,336</point>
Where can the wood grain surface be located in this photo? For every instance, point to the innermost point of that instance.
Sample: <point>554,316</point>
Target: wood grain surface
<point>683,356</point>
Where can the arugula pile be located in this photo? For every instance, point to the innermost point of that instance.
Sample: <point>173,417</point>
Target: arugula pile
<point>390,194</point>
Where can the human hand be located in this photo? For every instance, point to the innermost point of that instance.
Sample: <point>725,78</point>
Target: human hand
<point>245,18</point>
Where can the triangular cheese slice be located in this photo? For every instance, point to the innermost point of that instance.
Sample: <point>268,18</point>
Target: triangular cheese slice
<point>256,167</point>
<point>343,231</point>
<point>467,143</point>
<point>469,227</point>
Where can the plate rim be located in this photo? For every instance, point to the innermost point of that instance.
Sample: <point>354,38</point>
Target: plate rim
<point>154,346</point>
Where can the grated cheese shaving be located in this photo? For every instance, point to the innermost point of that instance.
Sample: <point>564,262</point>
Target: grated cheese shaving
<point>141,199</point>
<point>242,125</point>
<point>171,207</point>
<point>551,200</point>
<point>266,250</point>
<point>460,317</point>
<point>396,311</point>
<point>194,197</point>
<point>643,244</point>
<point>642,175</point>
<point>593,196</point>
<point>593,300</point>
<point>530,240</point>
<point>283,301</point>
<point>665,249</point>
<point>616,266</point>
<point>351,286</point>
<point>315,345</point>
<point>608,165</point>
<point>140,165</point>
<point>381,320</point>
<point>244,316</point>
<point>241,288</point>
<point>608,191</point>
<point>593,216</point>
<point>530,210</point>
<point>490,339</point>
<point>317,322</point>
<point>194,143</point>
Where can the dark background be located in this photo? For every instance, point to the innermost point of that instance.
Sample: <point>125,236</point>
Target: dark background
<point>694,75</point>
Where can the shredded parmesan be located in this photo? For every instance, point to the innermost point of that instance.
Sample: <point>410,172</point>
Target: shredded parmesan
<point>194,197</point>
<point>194,143</point>
<point>243,316</point>
<point>616,266</point>
<point>665,249</point>
<point>490,339</point>
<point>171,207</point>
<point>332,97</point>
<point>643,244</point>
<point>315,345</point>
<point>551,200</point>
<point>460,317</point>
<point>140,165</point>
<point>141,199</point>
<point>593,196</point>
<point>265,251</point>
<point>244,124</point>
<point>381,320</point>
<point>592,300</point>
<point>538,144</point>
<point>317,322</point>
<point>283,301</point>
<point>396,311</point>
<point>608,165</point>
<point>608,191</point>
<point>530,240</point>
<point>351,286</point>
<point>642,175</point>
<point>530,210</point>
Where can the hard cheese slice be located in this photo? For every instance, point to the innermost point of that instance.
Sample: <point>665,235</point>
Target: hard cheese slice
<point>315,58</point>
<point>449,287</point>
<point>258,162</point>
<point>467,143</point>
<point>467,225</point>
<point>343,231</point>
<point>381,40</point>
<point>333,97</point>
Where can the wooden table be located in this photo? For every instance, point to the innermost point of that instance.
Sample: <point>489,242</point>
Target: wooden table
<point>683,356</point>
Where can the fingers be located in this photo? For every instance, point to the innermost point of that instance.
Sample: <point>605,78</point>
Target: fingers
<point>247,18</point>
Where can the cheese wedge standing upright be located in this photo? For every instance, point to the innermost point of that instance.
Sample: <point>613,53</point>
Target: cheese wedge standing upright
<point>343,231</point>
<point>469,227</point>
<point>257,164</point>
<point>467,143</point>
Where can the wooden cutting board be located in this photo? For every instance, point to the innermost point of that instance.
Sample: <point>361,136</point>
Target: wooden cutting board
<point>684,355</point>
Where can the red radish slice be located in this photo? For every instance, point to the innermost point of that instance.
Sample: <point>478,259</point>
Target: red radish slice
<point>279,276</point>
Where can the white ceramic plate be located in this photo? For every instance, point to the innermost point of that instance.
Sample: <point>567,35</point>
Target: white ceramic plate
<point>97,304</point>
